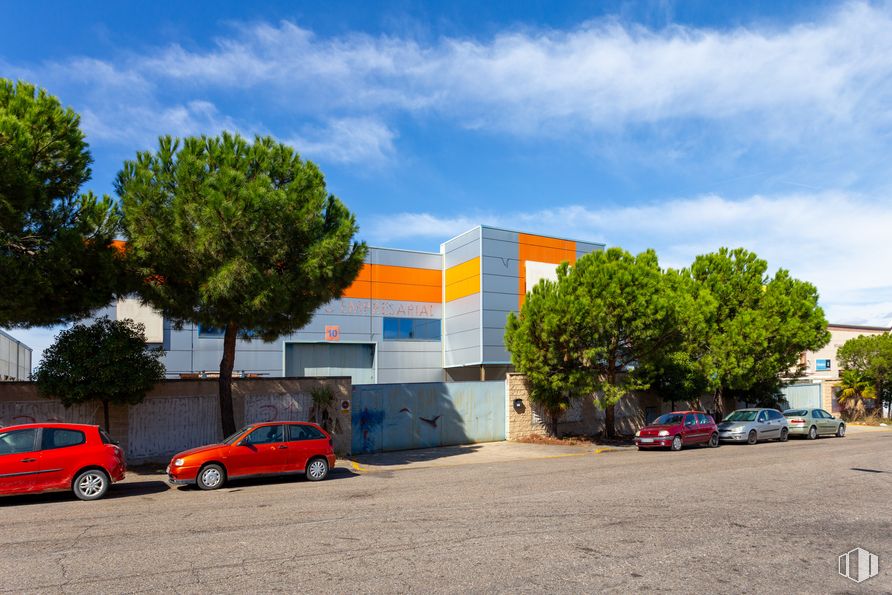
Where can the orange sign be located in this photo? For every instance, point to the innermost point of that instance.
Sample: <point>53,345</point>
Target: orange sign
<point>332,333</point>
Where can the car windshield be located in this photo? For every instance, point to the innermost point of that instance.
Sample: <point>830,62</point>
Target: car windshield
<point>233,437</point>
<point>795,412</point>
<point>668,419</point>
<point>742,415</point>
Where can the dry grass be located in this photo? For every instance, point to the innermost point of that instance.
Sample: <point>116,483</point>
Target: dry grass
<point>575,440</point>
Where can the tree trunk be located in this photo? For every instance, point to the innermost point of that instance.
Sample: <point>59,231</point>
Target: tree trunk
<point>610,420</point>
<point>719,401</point>
<point>227,416</point>
<point>105,414</point>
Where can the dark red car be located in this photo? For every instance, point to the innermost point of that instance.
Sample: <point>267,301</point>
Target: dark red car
<point>270,448</point>
<point>47,457</point>
<point>677,429</point>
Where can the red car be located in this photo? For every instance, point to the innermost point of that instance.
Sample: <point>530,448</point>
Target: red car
<point>677,429</point>
<point>55,456</point>
<point>270,448</point>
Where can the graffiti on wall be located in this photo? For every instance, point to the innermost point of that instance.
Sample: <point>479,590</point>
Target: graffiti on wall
<point>29,412</point>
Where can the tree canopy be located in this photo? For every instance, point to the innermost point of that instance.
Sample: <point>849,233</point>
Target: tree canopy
<point>588,332</point>
<point>235,235</point>
<point>57,262</point>
<point>106,361</point>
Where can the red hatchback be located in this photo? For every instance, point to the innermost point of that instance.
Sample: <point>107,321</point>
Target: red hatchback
<point>55,456</point>
<point>271,448</point>
<point>677,429</point>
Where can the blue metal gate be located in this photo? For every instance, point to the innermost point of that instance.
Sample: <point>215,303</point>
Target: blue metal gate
<point>406,416</point>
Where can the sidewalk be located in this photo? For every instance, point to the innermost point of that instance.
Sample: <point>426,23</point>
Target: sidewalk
<point>469,454</point>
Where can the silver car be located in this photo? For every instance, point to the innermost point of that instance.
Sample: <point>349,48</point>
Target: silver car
<point>752,425</point>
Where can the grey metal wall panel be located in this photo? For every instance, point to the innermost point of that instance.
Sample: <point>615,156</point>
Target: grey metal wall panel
<point>494,318</point>
<point>500,284</point>
<point>461,239</point>
<point>507,267</point>
<point>501,249</point>
<point>463,339</point>
<point>405,258</point>
<point>409,347</point>
<point>501,301</point>
<point>463,357</point>
<point>462,322</point>
<point>387,376</point>
<point>498,234</point>
<point>469,303</point>
<point>493,354</point>
<point>462,254</point>
<point>404,360</point>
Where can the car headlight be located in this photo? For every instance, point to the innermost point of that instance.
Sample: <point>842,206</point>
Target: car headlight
<point>737,430</point>
<point>663,433</point>
<point>178,462</point>
<point>638,433</point>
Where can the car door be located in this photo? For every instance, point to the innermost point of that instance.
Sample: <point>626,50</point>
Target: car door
<point>764,427</point>
<point>705,425</point>
<point>778,422</point>
<point>59,457</point>
<point>690,430</point>
<point>828,424</point>
<point>819,421</point>
<point>307,442</point>
<point>19,460</point>
<point>263,451</point>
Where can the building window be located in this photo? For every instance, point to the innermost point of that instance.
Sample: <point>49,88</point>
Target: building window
<point>411,329</point>
<point>213,332</point>
<point>822,365</point>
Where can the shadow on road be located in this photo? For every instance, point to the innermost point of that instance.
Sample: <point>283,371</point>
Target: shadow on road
<point>118,490</point>
<point>404,457</point>
<point>234,485</point>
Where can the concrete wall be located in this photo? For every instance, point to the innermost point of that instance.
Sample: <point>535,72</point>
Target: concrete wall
<point>181,414</point>
<point>839,334</point>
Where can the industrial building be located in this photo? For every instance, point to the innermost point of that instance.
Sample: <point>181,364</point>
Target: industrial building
<point>408,317</point>
<point>15,359</point>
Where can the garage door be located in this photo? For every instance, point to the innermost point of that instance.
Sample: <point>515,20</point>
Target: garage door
<point>803,396</point>
<point>331,359</point>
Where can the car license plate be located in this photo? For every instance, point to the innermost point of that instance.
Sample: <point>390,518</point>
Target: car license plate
<point>647,440</point>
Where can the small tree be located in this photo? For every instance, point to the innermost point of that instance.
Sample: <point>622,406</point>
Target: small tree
<point>238,236</point>
<point>871,355</point>
<point>107,361</point>
<point>56,259</point>
<point>854,387</point>
<point>592,331</point>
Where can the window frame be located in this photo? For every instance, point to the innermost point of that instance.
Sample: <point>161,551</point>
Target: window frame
<point>402,333</point>
<point>35,441</point>
<point>45,432</point>
<point>247,439</point>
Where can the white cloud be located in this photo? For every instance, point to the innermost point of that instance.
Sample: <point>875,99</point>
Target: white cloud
<point>837,241</point>
<point>347,140</point>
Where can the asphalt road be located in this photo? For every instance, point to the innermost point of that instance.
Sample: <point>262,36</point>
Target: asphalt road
<point>771,517</point>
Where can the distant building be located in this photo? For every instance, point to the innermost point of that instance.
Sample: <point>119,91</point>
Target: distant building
<point>15,359</point>
<point>822,364</point>
<point>408,317</point>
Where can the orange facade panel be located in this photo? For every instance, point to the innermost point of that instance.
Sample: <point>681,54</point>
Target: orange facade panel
<point>463,279</point>
<point>405,284</point>
<point>540,249</point>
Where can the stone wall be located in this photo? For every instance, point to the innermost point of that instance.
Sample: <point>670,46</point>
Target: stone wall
<point>180,414</point>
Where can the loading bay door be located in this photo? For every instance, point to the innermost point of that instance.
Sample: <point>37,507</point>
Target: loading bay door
<point>331,359</point>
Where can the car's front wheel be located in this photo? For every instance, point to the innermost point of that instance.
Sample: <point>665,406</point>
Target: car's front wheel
<point>91,484</point>
<point>812,433</point>
<point>752,438</point>
<point>317,469</point>
<point>841,431</point>
<point>676,443</point>
<point>211,477</point>
<point>714,440</point>
<point>784,434</point>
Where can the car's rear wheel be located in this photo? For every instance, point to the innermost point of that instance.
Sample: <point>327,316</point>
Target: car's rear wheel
<point>752,438</point>
<point>91,484</point>
<point>841,431</point>
<point>676,443</point>
<point>812,433</point>
<point>317,469</point>
<point>784,434</point>
<point>714,440</point>
<point>211,477</point>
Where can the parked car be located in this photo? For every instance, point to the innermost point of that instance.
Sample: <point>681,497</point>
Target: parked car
<point>752,425</point>
<point>813,423</point>
<point>271,448</point>
<point>46,457</point>
<point>677,429</point>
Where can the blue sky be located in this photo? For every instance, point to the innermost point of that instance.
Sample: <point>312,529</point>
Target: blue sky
<point>678,126</point>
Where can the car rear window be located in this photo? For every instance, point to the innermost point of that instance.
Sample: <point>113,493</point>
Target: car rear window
<point>61,438</point>
<point>795,412</point>
<point>301,432</point>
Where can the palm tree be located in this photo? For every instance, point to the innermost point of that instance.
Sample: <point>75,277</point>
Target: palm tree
<point>854,387</point>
